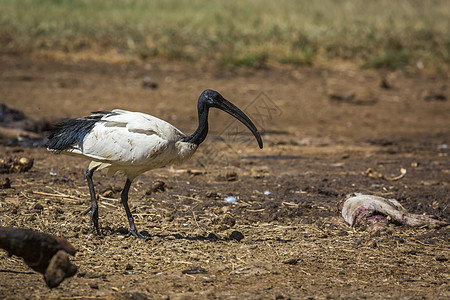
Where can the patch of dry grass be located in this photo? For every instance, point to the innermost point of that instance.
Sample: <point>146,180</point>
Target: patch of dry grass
<point>387,34</point>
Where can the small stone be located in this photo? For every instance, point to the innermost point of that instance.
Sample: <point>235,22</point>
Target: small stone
<point>236,235</point>
<point>441,258</point>
<point>129,267</point>
<point>93,286</point>
<point>5,183</point>
<point>212,236</point>
<point>38,206</point>
<point>292,261</point>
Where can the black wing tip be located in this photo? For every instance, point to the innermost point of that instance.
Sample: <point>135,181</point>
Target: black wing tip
<point>71,132</point>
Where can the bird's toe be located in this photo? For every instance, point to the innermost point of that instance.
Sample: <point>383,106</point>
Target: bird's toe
<point>136,233</point>
<point>86,211</point>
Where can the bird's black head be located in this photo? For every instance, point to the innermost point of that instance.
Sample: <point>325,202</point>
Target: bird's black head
<point>210,98</point>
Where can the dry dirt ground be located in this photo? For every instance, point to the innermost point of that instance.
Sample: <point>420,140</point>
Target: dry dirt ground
<point>324,128</point>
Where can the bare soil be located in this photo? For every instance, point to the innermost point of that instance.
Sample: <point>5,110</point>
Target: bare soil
<point>324,128</point>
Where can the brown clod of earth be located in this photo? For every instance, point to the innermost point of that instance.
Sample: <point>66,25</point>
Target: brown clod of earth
<point>157,186</point>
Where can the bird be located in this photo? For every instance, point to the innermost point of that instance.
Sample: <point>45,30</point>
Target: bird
<point>134,143</point>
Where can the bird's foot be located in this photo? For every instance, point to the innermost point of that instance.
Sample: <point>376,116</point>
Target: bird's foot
<point>133,231</point>
<point>93,223</point>
<point>97,230</point>
<point>136,233</point>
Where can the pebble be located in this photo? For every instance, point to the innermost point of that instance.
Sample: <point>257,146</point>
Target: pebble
<point>93,286</point>
<point>292,261</point>
<point>38,206</point>
<point>5,183</point>
<point>212,236</point>
<point>236,235</point>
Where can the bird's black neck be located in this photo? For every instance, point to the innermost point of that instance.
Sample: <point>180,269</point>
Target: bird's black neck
<point>202,131</point>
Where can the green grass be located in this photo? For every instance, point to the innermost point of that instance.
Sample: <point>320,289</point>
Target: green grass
<point>375,34</point>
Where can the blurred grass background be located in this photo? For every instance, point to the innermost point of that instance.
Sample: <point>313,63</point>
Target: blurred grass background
<point>372,34</point>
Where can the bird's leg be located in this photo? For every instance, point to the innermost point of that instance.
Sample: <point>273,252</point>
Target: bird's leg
<point>94,206</point>
<point>124,197</point>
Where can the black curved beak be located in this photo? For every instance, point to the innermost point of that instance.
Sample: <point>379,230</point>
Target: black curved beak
<point>233,110</point>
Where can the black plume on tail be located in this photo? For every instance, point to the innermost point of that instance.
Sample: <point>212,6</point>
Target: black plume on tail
<point>72,131</point>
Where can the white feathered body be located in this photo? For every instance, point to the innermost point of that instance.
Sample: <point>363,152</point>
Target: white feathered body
<point>134,143</point>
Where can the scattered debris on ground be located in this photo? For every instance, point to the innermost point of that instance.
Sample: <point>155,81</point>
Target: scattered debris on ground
<point>157,186</point>
<point>375,174</point>
<point>15,165</point>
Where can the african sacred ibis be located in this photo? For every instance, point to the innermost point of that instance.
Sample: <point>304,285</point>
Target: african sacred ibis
<point>134,143</point>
